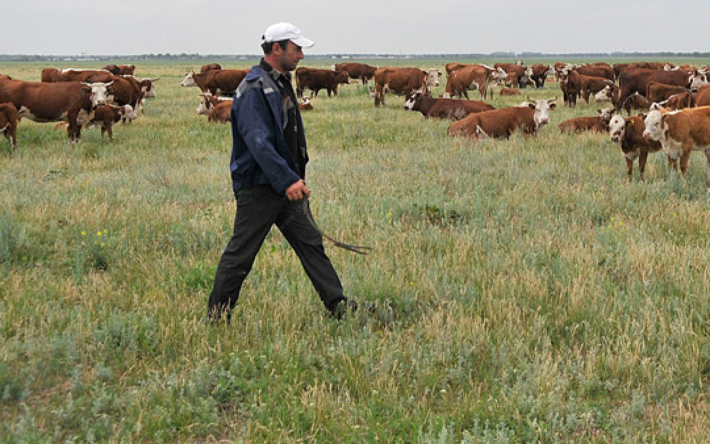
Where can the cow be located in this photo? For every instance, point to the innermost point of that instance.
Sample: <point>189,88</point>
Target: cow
<point>571,85</point>
<point>305,104</point>
<point>120,70</point>
<point>677,101</point>
<point>400,81</point>
<point>633,80</point>
<point>610,93</point>
<point>510,92</point>
<point>207,102</point>
<point>518,75</point>
<point>629,133</point>
<point>471,77</point>
<point>597,124</point>
<point>210,67</point>
<point>8,123</point>
<point>658,92</point>
<point>221,112</point>
<point>502,122</point>
<point>636,102</point>
<point>83,75</point>
<point>702,97</point>
<point>49,75</point>
<point>361,71</point>
<point>317,79</point>
<point>540,73</point>
<point>444,108</point>
<point>680,133</point>
<point>126,90</point>
<point>592,85</point>
<point>601,69</point>
<point>73,102</point>
<point>106,115</point>
<point>216,81</point>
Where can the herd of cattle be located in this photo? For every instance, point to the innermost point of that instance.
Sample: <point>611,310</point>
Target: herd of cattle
<point>674,100</point>
<point>79,97</point>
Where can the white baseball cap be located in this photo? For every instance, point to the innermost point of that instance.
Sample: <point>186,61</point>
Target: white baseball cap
<point>285,31</point>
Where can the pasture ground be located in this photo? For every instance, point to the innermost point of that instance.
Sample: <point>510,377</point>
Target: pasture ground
<point>528,292</point>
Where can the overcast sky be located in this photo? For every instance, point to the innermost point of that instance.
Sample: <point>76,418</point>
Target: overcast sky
<point>128,27</point>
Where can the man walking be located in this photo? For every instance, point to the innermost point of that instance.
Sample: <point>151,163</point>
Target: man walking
<point>268,168</point>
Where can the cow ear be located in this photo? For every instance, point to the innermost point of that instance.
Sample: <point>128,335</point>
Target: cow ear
<point>553,105</point>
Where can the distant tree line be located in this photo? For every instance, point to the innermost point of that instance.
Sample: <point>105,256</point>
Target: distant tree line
<point>185,56</point>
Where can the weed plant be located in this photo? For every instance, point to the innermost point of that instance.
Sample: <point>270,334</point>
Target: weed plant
<point>535,294</point>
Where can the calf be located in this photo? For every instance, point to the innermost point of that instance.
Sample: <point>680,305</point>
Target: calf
<point>680,133</point>
<point>571,85</point>
<point>598,124</point>
<point>501,123</point>
<point>208,101</point>
<point>637,102</point>
<point>8,123</point>
<point>629,133</point>
<point>221,112</point>
<point>444,108</point>
<point>317,79</point>
<point>509,91</point>
<point>105,116</point>
<point>210,67</point>
<point>305,104</point>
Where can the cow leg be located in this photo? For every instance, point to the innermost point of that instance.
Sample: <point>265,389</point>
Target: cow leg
<point>71,130</point>
<point>630,169</point>
<point>673,163</point>
<point>707,164</point>
<point>643,158</point>
<point>684,159</point>
<point>109,130</point>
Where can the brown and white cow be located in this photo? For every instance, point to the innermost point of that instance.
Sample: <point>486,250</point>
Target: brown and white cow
<point>571,85</point>
<point>444,108</point>
<point>702,97</point>
<point>121,70</point>
<point>317,79</point>
<point>597,124</point>
<point>220,81</point>
<point>404,81</point>
<point>599,69</point>
<point>49,75</point>
<point>83,75</point>
<point>518,75</point>
<point>208,101</point>
<point>305,104</point>
<point>592,85</point>
<point>361,71</point>
<point>472,77</point>
<point>680,133</point>
<point>106,115</point>
<point>501,123</point>
<point>677,101</point>
<point>540,73</point>
<point>610,93</point>
<point>505,91</point>
<point>629,133</point>
<point>221,112</point>
<point>73,102</point>
<point>8,123</point>
<point>658,92</point>
<point>210,67</point>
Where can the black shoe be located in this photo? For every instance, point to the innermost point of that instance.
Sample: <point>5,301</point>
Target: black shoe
<point>343,307</point>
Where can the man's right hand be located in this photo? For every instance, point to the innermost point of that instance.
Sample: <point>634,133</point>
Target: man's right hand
<point>298,190</point>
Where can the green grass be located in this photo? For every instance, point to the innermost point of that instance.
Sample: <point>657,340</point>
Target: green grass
<point>536,295</point>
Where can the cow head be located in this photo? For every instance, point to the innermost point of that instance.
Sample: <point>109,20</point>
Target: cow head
<point>128,113</point>
<point>654,126</point>
<point>98,94</point>
<point>605,115</point>
<point>432,77</point>
<point>697,79</point>
<point>617,128</point>
<point>205,105</point>
<point>542,110</point>
<point>604,95</point>
<point>499,75</point>
<point>189,79</point>
<point>412,100</point>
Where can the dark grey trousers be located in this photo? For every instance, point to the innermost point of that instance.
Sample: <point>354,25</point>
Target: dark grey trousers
<point>258,209</point>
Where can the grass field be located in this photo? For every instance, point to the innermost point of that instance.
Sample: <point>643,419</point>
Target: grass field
<point>528,292</point>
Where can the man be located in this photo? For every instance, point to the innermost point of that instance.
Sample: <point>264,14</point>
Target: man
<point>268,167</point>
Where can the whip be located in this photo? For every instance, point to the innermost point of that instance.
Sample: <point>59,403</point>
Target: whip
<point>360,249</point>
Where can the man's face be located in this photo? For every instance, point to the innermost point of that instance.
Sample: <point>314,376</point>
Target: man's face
<point>289,57</point>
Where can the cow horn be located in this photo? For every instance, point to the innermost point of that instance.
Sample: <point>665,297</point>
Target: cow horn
<point>528,98</point>
<point>155,79</point>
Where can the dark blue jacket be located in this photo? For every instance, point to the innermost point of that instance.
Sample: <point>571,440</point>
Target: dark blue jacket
<point>260,154</point>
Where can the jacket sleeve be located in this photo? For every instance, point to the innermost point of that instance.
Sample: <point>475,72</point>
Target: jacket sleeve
<point>257,128</point>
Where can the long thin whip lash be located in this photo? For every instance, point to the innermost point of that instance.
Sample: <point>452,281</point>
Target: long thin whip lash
<point>360,249</point>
